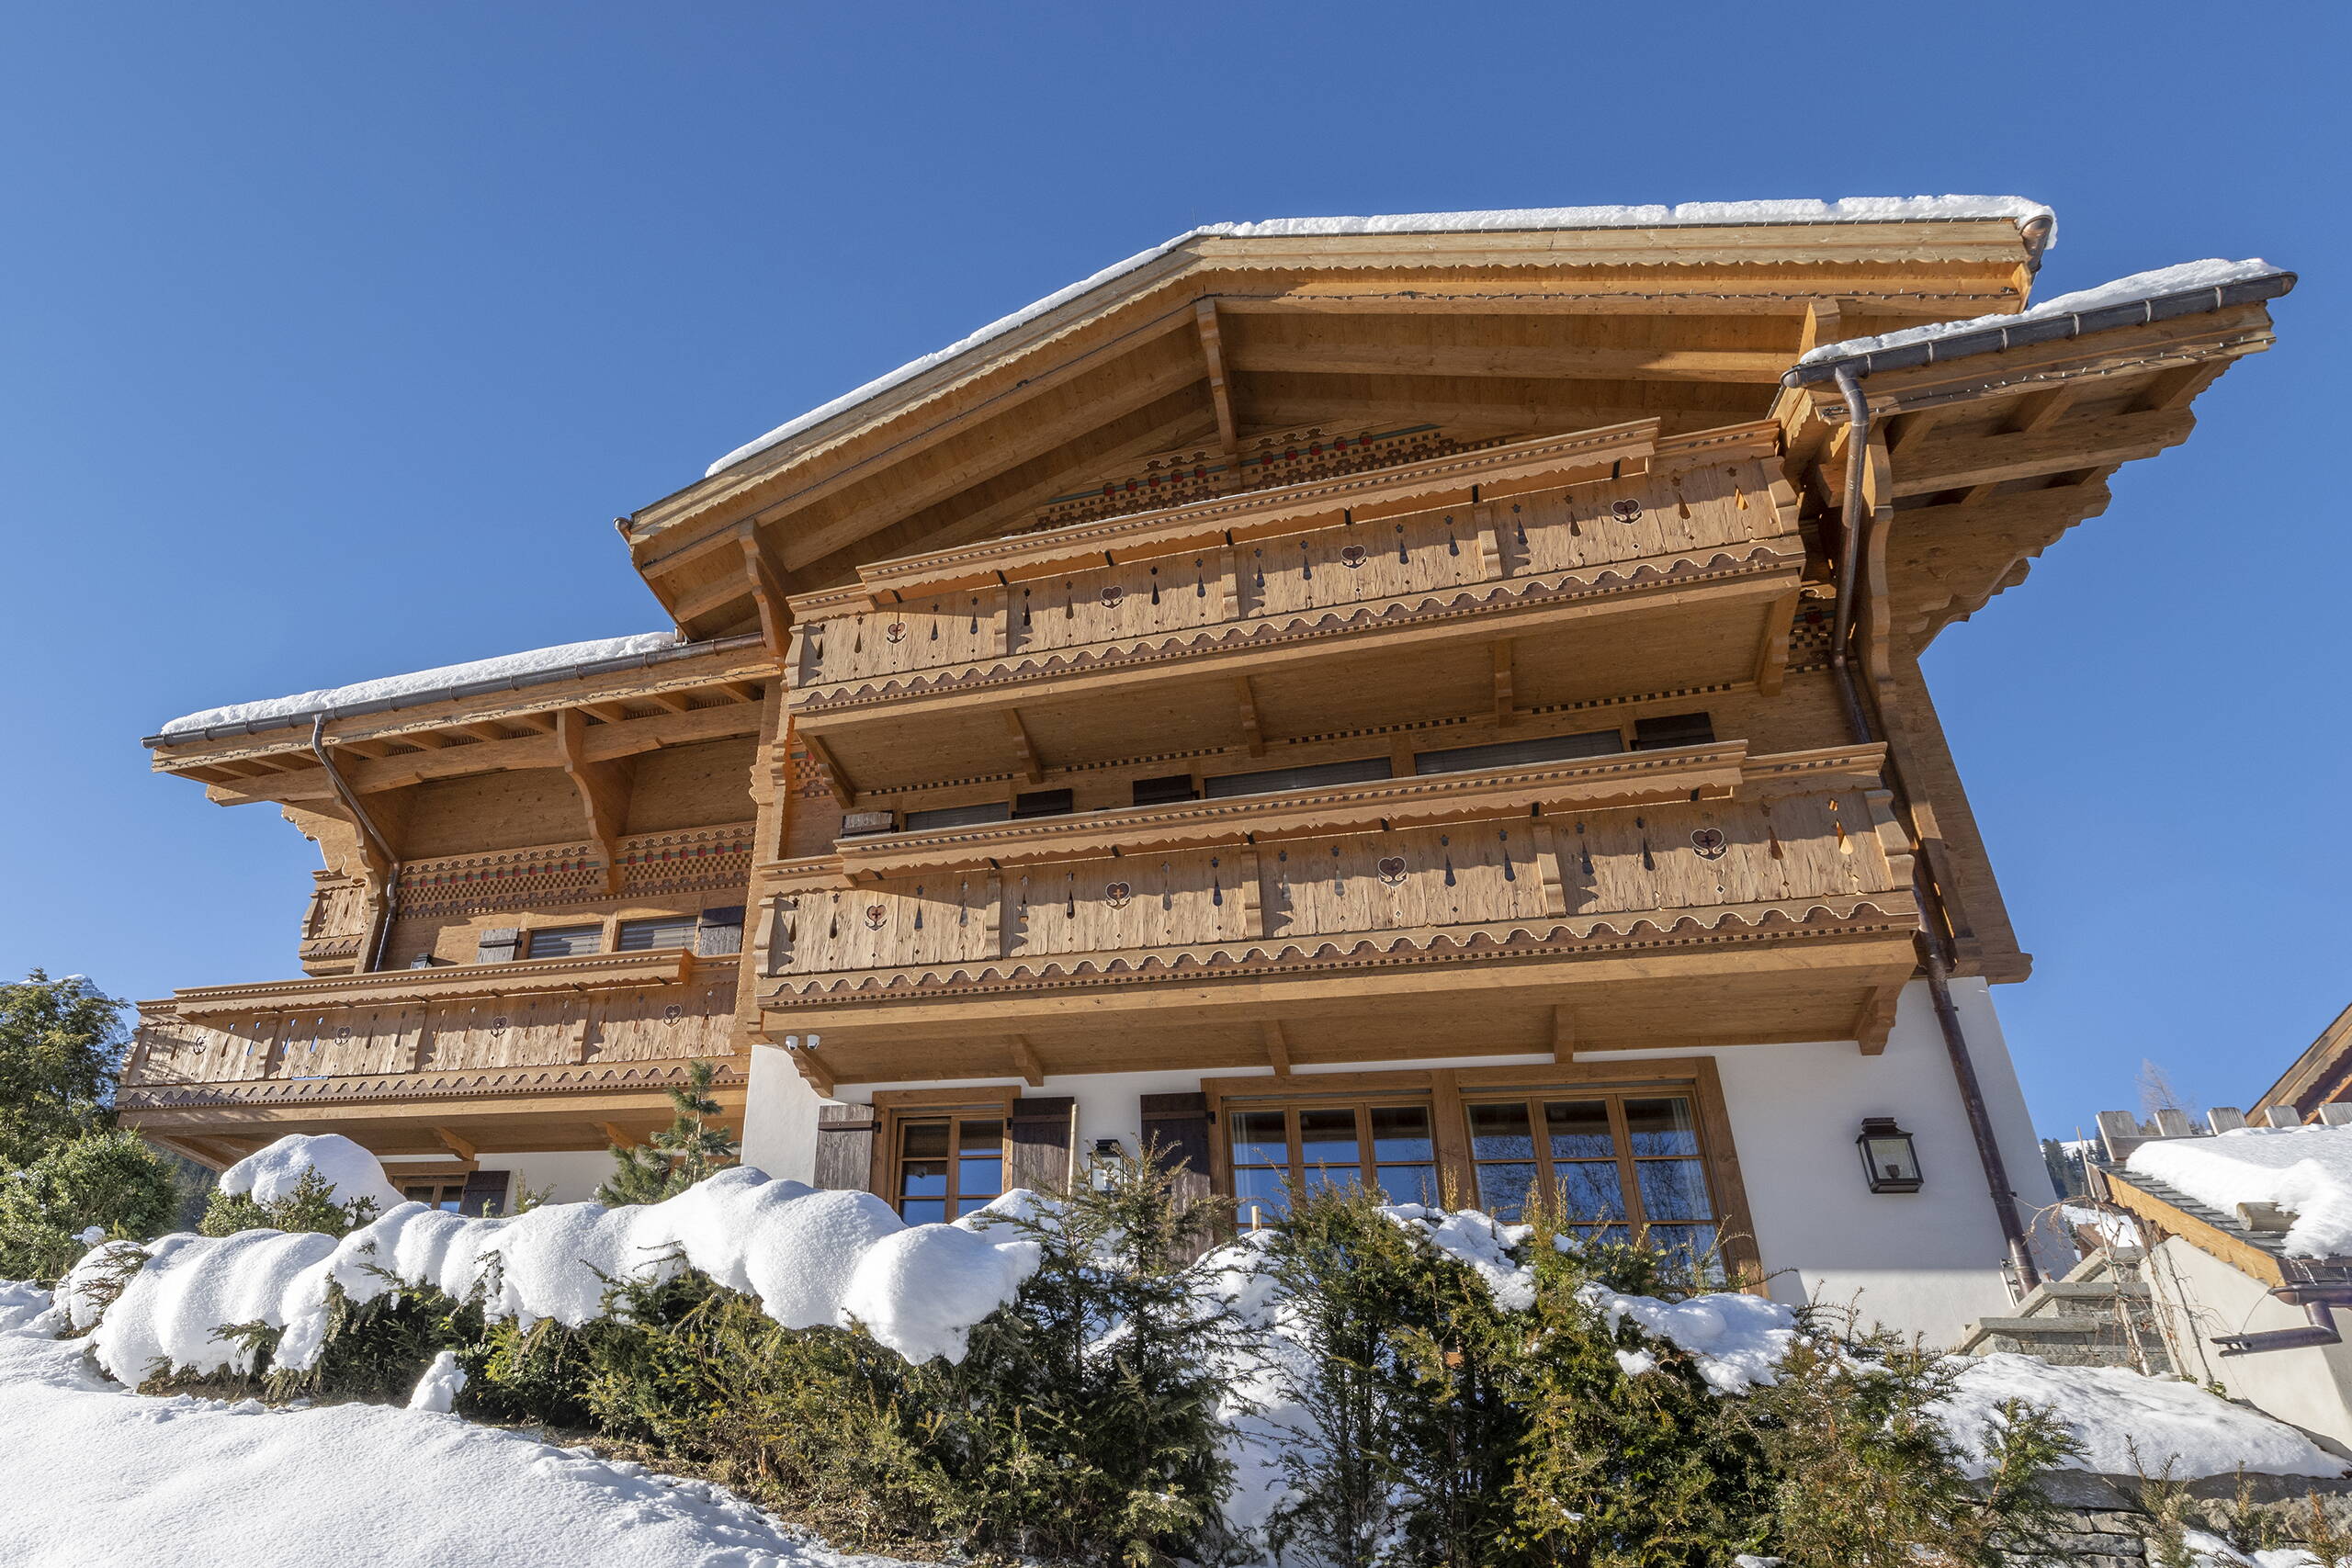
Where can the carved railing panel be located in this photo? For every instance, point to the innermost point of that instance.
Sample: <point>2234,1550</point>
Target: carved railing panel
<point>1778,847</point>
<point>336,925</point>
<point>553,876</point>
<point>1703,511</point>
<point>693,1019</point>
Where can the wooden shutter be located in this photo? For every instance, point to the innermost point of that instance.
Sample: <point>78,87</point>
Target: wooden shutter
<point>499,944</point>
<point>846,1147</point>
<point>1179,1125</point>
<point>721,931</point>
<point>1037,1146</point>
<point>486,1192</point>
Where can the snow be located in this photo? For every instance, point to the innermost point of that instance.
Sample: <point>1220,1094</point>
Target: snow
<point>2307,1171</point>
<point>1844,210</point>
<point>187,1483</point>
<point>2129,290</point>
<point>351,1173</point>
<point>21,1303</point>
<point>2116,1230</point>
<point>424,682</point>
<point>2130,1425</point>
<point>1735,1342</point>
<point>810,1257</point>
<point>438,1389</point>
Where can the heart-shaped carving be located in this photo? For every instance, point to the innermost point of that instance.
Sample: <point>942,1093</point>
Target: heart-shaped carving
<point>1626,511</point>
<point>1351,557</point>
<point>895,631</point>
<point>1118,893</point>
<point>1708,841</point>
<point>1112,595</point>
<point>875,915</point>
<point>1391,871</point>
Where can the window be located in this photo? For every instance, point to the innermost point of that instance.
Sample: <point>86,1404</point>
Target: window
<point>1161,791</point>
<point>1623,1166</point>
<point>1674,729</point>
<point>566,942</point>
<point>948,1166</point>
<point>659,930</point>
<point>1520,754</point>
<point>956,815</point>
<point>483,1192</point>
<point>1373,1143</point>
<point>1317,777</point>
<point>1043,803</point>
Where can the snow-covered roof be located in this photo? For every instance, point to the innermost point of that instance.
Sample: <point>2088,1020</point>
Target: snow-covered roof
<point>2138,289</point>
<point>1844,210</point>
<point>531,667</point>
<point>2306,1171</point>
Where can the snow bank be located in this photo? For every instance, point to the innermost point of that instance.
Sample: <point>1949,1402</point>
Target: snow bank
<point>813,1257</point>
<point>1844,210</point>
<point>2130,1425</point>
<point>21,1304</point>
<point>421,682</point>
<point>1735,1342</point>
<point>2122,292</point>
<point>95,1474</point>
<point>272,1174</point>
<point>2307,1171</point>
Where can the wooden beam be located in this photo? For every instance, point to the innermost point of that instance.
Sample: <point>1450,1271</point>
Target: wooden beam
<point>1211,351</point>
<point>604,790</point>
<point>424,740</point>
<point>1821,326</point>
<point>813,1068</point>
<point>1911,429</point>
<point>1772,648</point>
<point>739,691</point>
<point>369,750</point>
<point>1253,736</point>
<point>2034,410</point>
<point>1506,708</point>
<point>1994,459</point>
<point>671,701</point>
<point>837,782</point>
<point>1277,1047</point>
<point>607,713</point>
<point>1563,1036</point>
<point>1872,1024</point>
<point>463,1149</point>
<point>767,595</point>
<point>1025,1063</point>
<point>1259,355</point>
<point>616,1136</point>
<point>1028,765</point>
<point>536,723</point>
<point>481,730</point>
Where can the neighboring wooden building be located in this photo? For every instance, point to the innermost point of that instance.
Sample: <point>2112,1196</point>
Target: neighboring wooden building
<point>1431,704</point>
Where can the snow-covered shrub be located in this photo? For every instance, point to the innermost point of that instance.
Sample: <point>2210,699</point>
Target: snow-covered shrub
<point>1463,1392</point>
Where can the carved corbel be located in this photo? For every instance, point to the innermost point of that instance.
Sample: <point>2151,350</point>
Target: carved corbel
<point>604,789</point>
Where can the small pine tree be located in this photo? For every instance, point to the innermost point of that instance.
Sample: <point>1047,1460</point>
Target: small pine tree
<point>109,1181</point>
<point>61,1042</point>
<point>311,1206</point>
<point>689,1149</point>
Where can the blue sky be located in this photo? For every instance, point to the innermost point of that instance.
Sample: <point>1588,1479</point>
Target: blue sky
<point>335,336</point>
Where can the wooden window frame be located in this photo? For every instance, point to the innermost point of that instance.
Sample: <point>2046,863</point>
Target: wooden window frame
<point>1446,1089</point>
<point>1290,1102</point>
<point>895,1107</point>
<point>603,928</point>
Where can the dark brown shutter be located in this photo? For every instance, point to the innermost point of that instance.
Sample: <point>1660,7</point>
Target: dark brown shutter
<point>498,944</point>
<point>485,1192</point>
<point>1037,1149</point>
<point>846,1147</point>
<point>721,931</point>
<point>1176,1127</point>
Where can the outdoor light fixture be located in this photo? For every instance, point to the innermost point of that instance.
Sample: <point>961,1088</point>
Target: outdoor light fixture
<point>1888,1159</point>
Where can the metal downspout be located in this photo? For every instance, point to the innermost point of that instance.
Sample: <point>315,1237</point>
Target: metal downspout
<point>350,798</point>
<point>1963,1063</point>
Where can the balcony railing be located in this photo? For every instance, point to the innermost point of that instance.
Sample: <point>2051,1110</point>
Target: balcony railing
<point>1558,857</point>
<point>583,1017</point>
<point>1522,524</point>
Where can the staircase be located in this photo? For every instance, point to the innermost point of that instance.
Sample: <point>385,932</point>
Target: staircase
<point>2097,1315</point>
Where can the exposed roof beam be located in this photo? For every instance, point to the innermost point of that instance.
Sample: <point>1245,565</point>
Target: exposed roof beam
<point>1763,366</point>
<point>1211,351</point>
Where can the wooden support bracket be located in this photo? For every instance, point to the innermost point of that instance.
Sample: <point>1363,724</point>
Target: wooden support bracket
<point>616,1137</point>
<point>1876,1019</point>
<point>836,781</point>
<point>1506,708</point>
<point>1031,769</point>
<point>456,1145</point>
<point>1277,1047</point>
<point>767,594</point>
<point>1025,1062</point>
<point>1772,648</point>
<point>813,1068</point>
<point>1253,735</point>
<point>1563,1036</point>
<point>604,789</point>
<point>1213,351</point>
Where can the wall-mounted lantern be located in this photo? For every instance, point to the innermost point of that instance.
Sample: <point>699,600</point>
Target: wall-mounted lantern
<point>1888,1159</point>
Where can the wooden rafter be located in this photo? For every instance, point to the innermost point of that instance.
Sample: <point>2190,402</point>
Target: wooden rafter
<point>1022,748</point>
<point>1212,352</point>
<point>1563,1036</point>
<point>1025,1062</point>
<point>1254,735</point>
<point>1876,1021</point>
<point>1277,1047</point>
<point>456,1145</point>
<point>1506,706</point>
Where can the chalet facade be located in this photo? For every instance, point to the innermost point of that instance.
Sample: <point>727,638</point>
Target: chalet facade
<point>1427,702</point>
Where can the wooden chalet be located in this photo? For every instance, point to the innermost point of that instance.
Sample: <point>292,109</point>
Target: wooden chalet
<point>1431,703</point>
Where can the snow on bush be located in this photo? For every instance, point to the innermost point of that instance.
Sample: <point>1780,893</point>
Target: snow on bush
<point>438,1389</point>
<point>184,1483</point>
<point>811,1257</point>
<point>2130,1425</point>
<point>270,1175</point>
<point>2140,286</point>
<point>2307,1171</point>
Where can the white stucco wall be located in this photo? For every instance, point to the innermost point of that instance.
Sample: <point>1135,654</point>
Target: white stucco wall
<point>2198,1296</point>
<point>1927,1263</point>
<point>574,1174</point>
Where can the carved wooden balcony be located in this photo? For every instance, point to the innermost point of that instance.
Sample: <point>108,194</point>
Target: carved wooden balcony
<point>603,1032</point>
<point>1358,918</point>
<point>1608,562</point>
